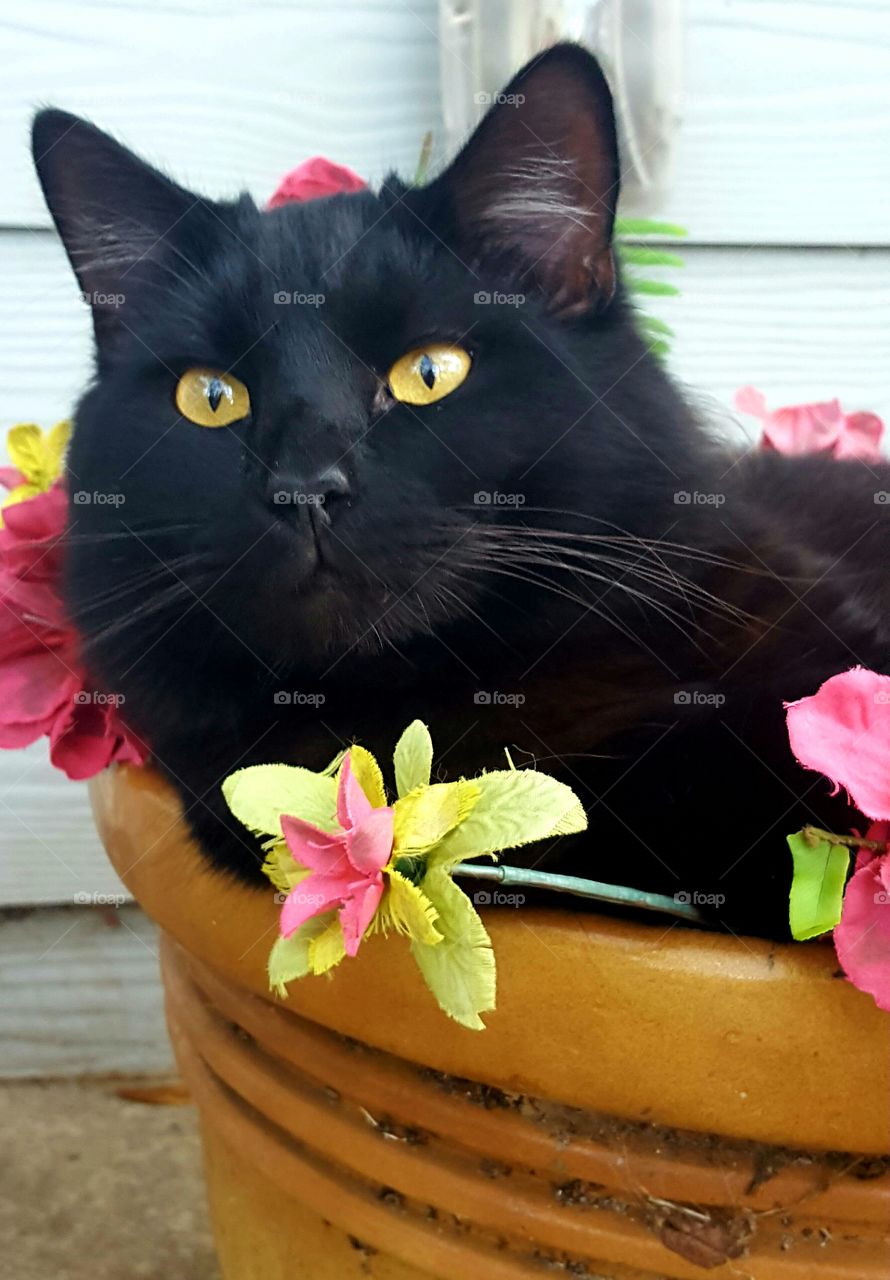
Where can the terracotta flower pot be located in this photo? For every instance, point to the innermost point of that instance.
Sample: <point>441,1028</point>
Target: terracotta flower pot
<point>648,1101</point>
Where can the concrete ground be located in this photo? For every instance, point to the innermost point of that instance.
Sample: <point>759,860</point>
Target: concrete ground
<point>95,1186</point>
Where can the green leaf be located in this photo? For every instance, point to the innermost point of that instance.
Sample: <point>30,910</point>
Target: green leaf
<point>413,758</point>
<point>515,807</point>
<point>817,889</point>
<point>406,909</point>
<point>261,793</point>
<point>654,288</point>
<point>289,958</point>
<point>653,324</point>
<point>648,227</point>
<point>641,256</point>
<point>460,970</point>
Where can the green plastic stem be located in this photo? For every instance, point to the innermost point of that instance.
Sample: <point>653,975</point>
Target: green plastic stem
<point>581,888</point>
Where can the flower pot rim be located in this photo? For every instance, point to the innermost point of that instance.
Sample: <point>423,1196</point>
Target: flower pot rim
<point>653,1021</point>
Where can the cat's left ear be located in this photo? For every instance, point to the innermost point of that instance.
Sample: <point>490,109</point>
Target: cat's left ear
<point>534,190</point>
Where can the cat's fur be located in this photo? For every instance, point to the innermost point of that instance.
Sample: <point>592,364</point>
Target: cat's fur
<point>648,669</point>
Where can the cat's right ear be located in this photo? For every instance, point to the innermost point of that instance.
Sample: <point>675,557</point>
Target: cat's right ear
<point>112,210</point>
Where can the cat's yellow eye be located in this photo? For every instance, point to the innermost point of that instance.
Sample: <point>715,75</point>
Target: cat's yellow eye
<point>428,373</point>
<point>211,398</point>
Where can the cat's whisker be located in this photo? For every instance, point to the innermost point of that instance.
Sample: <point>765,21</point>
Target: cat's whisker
<point>669,614</point>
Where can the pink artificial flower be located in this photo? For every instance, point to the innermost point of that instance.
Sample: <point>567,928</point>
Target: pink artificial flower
<point>315,178</point>
<point>862,938</point>
<point>346,867</point>
<point>44,691</point>
<point>814,428</point>
<point>843,731</point>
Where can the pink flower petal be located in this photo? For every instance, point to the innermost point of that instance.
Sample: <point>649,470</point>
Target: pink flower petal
<point>310,898</point>
<point>10,478</point>
<point>370,845</point>
<point>313,179</point>
<point>34,686</point>
<point>358,912</point>
<point>321,851</point>
<point>843,731</point>
<point>806,428</point>
<point>861,437</point>
<point>79,743</point>
<point>862,939</point>
<point>750,400</point>
<point>353,806</point>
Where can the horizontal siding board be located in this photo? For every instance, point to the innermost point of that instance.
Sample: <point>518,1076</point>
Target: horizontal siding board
<point>80,993</point>
<point>784,136</point>
<point>226,97</point>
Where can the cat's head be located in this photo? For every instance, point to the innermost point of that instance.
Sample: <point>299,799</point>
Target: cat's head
<point>306,423</point>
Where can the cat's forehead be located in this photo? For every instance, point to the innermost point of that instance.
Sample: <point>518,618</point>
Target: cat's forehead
<point>355,240</point>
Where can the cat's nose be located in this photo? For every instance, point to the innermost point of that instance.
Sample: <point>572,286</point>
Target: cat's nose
<point>316,494</point>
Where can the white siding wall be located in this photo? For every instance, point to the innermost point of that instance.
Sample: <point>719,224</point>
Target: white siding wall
<point>785,142</point>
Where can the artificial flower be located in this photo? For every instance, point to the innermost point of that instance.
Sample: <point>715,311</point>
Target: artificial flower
<point>843,731</point>
<point>315,178</point>
<point>350,864</point>
<point>37,457</point>
<point>44,690</point>
<point>814,428</point>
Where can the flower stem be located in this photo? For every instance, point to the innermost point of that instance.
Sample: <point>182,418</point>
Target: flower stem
<point>583,889</point>
<point>815,835</point>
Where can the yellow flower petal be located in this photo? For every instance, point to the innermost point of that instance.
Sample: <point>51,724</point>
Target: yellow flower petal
<point>280,867</point>
<point>327,948</point>
<point>366,771</point>
<point>425,816</point>
<point>25,446</point>
<point>406,909</point>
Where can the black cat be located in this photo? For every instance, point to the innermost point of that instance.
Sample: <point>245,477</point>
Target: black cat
<point>442,476</point>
